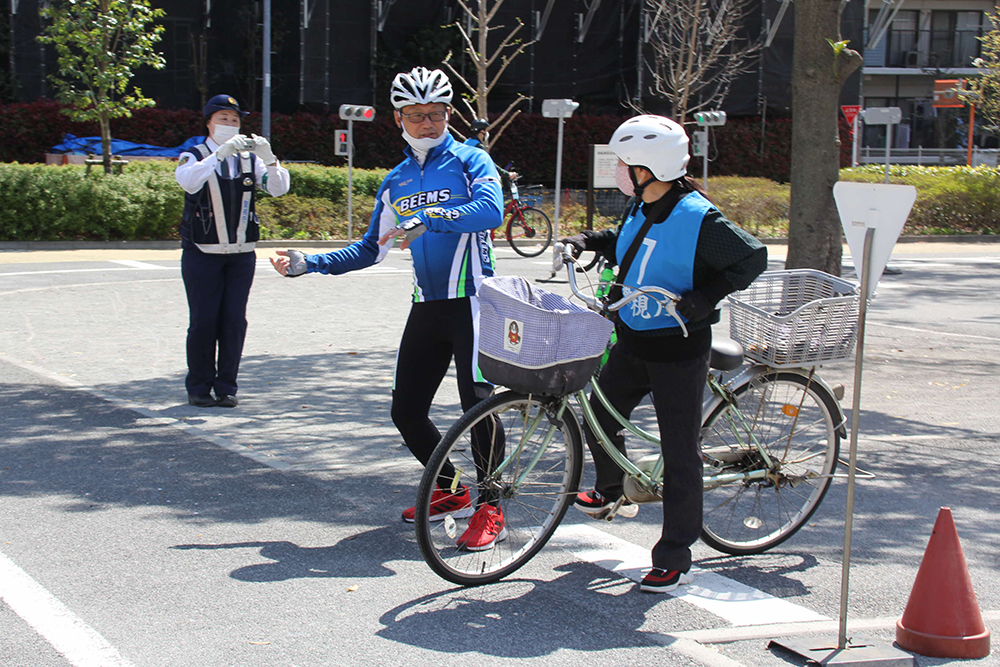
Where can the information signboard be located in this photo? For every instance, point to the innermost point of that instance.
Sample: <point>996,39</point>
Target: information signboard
<point>605,163</point>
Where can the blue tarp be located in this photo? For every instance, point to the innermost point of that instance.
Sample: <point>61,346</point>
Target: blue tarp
<point>86,145</point>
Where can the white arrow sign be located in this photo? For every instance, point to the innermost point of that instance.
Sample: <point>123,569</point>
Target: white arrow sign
<point>884,208</point>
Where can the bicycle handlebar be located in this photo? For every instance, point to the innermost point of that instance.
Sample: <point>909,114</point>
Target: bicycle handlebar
<point>563,255</point>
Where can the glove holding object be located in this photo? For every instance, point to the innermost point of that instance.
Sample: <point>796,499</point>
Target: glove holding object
<point>262,147</point>
<point>233,146</point>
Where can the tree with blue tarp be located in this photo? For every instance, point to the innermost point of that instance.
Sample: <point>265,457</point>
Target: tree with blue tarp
<point>99,44</point>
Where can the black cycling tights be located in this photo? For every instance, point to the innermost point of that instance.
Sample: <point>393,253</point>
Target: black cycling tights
<point>435,332</point>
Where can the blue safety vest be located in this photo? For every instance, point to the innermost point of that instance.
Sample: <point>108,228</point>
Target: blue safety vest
<point>665,259</point>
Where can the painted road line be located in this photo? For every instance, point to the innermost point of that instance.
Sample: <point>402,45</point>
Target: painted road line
<point>931,332</point>
<point>730,635</point>
<point>737,603</point>
<point>53,271</point>
<point>80,644</point>
<point>145,266</point>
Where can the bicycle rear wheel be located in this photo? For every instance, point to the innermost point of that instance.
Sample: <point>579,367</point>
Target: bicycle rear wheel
<point>793,419</point>
<point>532,235</point>
<point>534,484</point>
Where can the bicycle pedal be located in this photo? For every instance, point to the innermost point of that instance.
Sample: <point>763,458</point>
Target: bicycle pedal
<point>628,511</point>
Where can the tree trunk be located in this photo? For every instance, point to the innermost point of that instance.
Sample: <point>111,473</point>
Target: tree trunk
<point>818,73</point>
<point>106,141</point>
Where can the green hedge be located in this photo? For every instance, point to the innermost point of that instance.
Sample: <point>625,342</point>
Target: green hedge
<point>40,203</point>
<point>52,203</point>
<point>58,203</point>
<point>950,200</point>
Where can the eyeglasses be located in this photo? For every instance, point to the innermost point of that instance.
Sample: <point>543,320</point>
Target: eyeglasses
<point>435,116</point>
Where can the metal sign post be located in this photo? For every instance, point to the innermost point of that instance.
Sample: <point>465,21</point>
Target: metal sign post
<point>887,116</point>
<point>872,215</point>
<point>561,109</point>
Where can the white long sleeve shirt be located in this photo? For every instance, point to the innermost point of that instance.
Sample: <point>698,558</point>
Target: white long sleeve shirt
<point>192,173</point>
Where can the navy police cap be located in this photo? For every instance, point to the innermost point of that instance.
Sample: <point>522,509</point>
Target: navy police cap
<point>221,102</point>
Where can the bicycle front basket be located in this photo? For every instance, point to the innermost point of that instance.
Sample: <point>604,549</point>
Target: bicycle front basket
<point>537,342</point>
<point>798,317</point>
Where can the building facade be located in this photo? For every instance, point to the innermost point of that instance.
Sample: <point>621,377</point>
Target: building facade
<point>909,45</point>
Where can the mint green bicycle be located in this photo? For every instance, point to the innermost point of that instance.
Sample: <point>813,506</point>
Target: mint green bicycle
<point>770,444</point>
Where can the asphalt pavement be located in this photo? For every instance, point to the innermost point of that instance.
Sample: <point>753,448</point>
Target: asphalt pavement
<point>139,531</point>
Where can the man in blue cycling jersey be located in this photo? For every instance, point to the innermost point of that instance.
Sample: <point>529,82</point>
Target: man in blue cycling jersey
<point>443,199</point>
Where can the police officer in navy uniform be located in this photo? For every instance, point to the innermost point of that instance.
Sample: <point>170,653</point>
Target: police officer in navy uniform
<point>218,235</point>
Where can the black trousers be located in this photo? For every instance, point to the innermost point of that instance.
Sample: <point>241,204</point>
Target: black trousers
<point>218,287</point>
<point>677,389</point>
<point>436,332</point>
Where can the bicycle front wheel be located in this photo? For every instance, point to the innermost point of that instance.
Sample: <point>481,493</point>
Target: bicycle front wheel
<point>536,474</point>
<point>531,234</point>
<point>792,421</point>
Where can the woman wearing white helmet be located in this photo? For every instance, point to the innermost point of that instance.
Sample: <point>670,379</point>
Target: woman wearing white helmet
<point>679,241</point>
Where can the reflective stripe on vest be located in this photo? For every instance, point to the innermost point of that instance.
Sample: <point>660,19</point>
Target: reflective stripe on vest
<point>224,247</point>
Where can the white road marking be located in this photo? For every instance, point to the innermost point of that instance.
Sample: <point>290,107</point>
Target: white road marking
<point>129,265</point>
<point>104,270</point>
<point>80,644</point>
<point>145,266</point>
<point>737,603</point>
<point>945,334</point>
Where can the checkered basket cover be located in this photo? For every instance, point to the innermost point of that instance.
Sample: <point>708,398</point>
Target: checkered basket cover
<point>535,341</point>
<point>799,317</point>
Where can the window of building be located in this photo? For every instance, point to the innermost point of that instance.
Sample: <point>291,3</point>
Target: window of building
<point>954,39</point>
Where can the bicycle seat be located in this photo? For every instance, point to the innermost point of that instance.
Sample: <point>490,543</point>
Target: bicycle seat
<point>727,355</point>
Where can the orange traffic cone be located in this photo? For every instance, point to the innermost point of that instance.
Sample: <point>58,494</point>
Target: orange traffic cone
<point>942,618</point>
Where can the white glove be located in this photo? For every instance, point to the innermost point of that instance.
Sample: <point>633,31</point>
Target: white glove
<point>296,259</point>
<point>233,146</point>
<point>262,148</point>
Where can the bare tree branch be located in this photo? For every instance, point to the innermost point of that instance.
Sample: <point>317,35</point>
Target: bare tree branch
<point>447,63</point>
<point>499,59</point>
<point>496,135</point>
<point>699,49</point>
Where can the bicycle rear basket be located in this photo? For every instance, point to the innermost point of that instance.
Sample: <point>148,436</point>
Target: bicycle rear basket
<point>799,317</point>
<point>537,342</point>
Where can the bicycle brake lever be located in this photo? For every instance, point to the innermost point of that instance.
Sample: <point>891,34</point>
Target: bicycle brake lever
<point>672,311</point>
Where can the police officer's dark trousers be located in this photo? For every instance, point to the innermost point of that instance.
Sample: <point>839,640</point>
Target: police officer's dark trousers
<point>218,287</point>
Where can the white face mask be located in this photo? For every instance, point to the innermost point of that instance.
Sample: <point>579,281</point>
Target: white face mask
<point>224,133</point>
<point>427,143</point>
<point>623,180</point>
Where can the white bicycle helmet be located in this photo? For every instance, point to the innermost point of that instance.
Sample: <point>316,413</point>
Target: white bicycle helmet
<point>654,142</point>
<point>420,86</point>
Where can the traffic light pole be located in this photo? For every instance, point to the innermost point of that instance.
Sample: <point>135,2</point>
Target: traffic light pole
<point>350,113</point>
<point>266,101</point>
<point>350,180</point>
<point>704,163</point>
